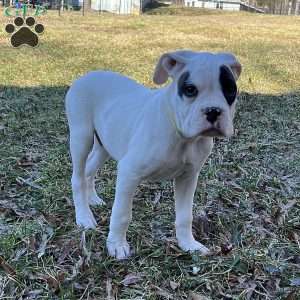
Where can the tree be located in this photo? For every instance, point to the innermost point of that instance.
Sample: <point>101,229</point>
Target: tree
<point>297,7</point>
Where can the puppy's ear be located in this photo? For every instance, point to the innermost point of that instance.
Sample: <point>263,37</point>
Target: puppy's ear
<point>170,64</point>
<point>231,61</point>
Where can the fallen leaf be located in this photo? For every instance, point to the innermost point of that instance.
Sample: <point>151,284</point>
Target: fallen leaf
<point>282,212</point>
<point>62,139</point>
<point>5,228</point>
<point>79,286</point>
<point>8,207</point>
<point>6,267</point>
<point>32,243</point>
<point>76,269</point>
<point>295,281</point>
<point>131,278</point>
<point>21,181</point>
<point>53,282</point>
<point>174,285</point>
<point>291,296</point>
<point>201,225</point>
<point>19,253</point>
<point>162,293</point>
<point>226,248</point>
<point>25,161</point>
<point>194,296</point>
<point>45,239</point>
<point>157,197</point>
<point>68,200</point>
<point>86,253</point>
<point>33,294</point>
<point>109,290</point>
<point>66,250</point>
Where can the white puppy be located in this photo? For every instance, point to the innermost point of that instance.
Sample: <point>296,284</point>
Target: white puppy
<point>154,134</point>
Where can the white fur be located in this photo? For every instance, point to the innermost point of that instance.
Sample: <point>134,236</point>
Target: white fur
<point>153,134</point>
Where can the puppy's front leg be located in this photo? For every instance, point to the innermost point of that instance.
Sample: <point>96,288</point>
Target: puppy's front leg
<point>185,187</point>
<point>121,216</point>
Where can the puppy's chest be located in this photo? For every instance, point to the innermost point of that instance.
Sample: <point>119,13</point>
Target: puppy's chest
<point>173,165</point>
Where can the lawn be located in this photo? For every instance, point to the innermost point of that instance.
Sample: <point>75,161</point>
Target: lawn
<point>247,203</point>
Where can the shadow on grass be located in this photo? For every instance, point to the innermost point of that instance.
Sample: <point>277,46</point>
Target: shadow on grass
<point>40,109</point>
<point>241,191</point>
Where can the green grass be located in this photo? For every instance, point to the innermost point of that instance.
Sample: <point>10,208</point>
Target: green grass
<point>248,191</point>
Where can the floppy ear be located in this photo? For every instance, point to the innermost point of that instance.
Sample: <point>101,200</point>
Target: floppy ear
<point>231,61</point>
<point>170,64</point>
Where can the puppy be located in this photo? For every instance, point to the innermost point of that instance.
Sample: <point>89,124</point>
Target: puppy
<point>154,134</point>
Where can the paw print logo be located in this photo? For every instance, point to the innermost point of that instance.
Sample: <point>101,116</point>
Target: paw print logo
<point>24,35</point>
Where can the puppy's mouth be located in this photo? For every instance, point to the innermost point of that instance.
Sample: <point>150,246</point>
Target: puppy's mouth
<point>212,132</point>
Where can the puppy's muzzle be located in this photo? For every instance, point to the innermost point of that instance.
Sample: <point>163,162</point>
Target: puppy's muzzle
<point>212,115</point>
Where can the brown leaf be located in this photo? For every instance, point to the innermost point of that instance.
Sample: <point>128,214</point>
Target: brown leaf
<point>77,268</point>
<point>53,282</point>
<point>111,290</point>
<point>66,250</point>
<point>174,285</point>
<point>25,161</point>
<point>162,293</point>
<point>131,278</point>
<point>62,139</point>
<point>68,200</point>
<point>282,212</point>
<point>291,296</point>
<point>46,237</point>
<point>201,225</point>
<point>21,181</point>
<point>194,296</point>
<point>8,207</point>
<point>226,248</point>
<point>6,267</point>
<point>32,243</point>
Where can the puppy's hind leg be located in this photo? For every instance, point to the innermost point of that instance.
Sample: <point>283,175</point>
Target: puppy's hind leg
<point>81,139</point>
<point>95,161</point>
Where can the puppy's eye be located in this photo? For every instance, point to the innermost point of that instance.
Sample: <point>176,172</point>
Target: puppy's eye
<point>189,90</point>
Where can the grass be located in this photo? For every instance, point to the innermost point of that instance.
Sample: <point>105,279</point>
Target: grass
<point>247,202</point>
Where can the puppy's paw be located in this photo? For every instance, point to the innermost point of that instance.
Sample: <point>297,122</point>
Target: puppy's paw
<point>94,200</point>
<point>193,245</point>
<point>85,219</point>
<point>119,250</point>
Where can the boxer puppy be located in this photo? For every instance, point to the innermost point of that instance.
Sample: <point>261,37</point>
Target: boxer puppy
<point>154,134</point>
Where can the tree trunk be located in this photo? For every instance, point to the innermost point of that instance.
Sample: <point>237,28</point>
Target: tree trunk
<point>290,4</point>
<point>87,5</point>
<point>297,8</point>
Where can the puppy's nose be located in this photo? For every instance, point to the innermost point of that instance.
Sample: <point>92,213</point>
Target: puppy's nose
<point>212,114</point>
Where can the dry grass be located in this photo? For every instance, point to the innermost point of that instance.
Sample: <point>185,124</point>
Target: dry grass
<point>248,192</point>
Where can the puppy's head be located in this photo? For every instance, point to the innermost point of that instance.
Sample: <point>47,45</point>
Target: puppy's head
<point>203,91</point>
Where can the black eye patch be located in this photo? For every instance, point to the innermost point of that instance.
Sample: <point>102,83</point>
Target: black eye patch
<point>185,88</point>
<point>228,84</point>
